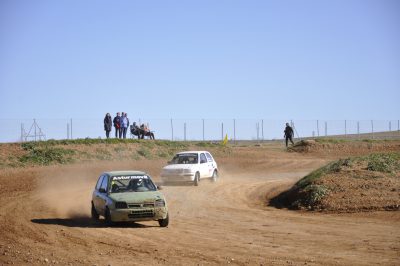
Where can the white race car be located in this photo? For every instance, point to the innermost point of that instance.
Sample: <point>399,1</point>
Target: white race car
<point>190,166</point>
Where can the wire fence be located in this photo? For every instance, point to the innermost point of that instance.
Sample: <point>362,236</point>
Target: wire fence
<point>201,129</point>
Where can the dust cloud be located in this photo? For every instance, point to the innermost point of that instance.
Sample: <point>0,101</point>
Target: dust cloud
<point>67,193</point>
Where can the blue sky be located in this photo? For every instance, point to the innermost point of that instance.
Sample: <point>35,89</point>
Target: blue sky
<point>200,59</point>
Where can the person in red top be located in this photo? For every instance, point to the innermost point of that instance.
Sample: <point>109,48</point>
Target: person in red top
<point>117,125</point>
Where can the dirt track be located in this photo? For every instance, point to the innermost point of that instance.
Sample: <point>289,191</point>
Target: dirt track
<point>224,223</point>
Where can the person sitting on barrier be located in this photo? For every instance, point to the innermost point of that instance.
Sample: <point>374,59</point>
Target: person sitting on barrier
<point>135,130</point>
<point>146,131</point>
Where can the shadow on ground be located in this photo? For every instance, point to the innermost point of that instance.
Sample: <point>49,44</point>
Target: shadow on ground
<point>86,222</point>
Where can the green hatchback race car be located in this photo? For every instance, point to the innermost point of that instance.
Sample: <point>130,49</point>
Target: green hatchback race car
<point>124,196</point>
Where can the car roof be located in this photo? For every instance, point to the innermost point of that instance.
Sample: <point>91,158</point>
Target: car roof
<point>193,152</point>
<point>128,172</point>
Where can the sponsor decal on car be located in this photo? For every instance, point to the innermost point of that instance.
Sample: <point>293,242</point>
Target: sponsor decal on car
<point>126,177</point>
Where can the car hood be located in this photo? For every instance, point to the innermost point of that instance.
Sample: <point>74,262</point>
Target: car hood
<point>137,197</point>
<point>178,166</point>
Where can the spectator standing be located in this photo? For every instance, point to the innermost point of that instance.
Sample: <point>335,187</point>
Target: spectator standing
<point>117,125</point>
<point>107,124</point>
<point>288,134</point>
<point>124,124</point>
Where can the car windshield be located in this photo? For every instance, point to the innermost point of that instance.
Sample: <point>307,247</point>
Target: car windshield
<point>185,158</point>
<point>134,183</point>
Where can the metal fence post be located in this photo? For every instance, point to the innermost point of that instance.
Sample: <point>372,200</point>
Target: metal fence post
<point>317,128</point>
<point>203,129</point>
<point>67,130</point>
<point>222,130</point>
<point>262,129</point>
<point>234,131</point>
<point>172,130</point>
<point>358,129</point>
<point>326,128</point>
<point>372,127</point>
<point>184,131</point>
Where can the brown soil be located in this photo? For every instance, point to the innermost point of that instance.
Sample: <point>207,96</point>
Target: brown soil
<point>344,148</point>
<point>367,191</point>
<point>44,219</point>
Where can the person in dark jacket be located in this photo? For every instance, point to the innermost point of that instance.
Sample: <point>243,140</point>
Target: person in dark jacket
<point>107,124</point>
<point>288,134</point>
<point>117,125</point>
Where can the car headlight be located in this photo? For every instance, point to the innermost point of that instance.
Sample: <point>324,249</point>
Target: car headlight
<point>121,205</point>
<point>159,203</point>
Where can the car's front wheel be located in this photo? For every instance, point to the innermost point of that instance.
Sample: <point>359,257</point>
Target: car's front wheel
<point>107,217</point>
<point>196,180</point>
<point>95,215</point>
<point>164,222</point>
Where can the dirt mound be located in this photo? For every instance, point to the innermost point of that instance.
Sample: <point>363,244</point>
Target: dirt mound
<point>334,147</point>
<point>349,185</point>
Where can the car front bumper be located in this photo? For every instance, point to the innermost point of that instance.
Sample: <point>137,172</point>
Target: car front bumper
<point>138,214</point>
<point>189,177</point>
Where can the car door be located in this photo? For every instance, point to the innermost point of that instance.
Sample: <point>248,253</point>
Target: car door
<point>101,196</point>
<point>203,166</point>
<point>212,165</point>
<point>95,196</point>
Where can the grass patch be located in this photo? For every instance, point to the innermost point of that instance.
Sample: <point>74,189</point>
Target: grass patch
<point>46,155</point>
<point>144,152</point>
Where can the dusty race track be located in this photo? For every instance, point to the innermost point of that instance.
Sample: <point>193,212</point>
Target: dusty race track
<point>44,219</point>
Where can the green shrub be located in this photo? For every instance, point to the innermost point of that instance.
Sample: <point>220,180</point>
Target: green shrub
<point>385,163</point>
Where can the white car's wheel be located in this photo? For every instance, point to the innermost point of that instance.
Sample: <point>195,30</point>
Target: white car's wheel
<point>214,177</point>
<point>196,179</point>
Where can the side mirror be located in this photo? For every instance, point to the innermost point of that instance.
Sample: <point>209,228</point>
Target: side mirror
<point>159,188</point>
<point>102,190</point>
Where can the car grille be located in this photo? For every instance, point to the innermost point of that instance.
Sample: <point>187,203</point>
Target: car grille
<point>145,213</point>
<point>174,171</point>
<point>141,205</point>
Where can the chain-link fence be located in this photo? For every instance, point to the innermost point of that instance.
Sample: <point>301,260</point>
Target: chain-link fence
<point>201,129</point>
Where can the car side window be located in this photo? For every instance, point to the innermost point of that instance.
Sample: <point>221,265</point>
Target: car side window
<point>99,182</point>
<point>209,157</point>
<point>203,158</point>
<point>104,184</point>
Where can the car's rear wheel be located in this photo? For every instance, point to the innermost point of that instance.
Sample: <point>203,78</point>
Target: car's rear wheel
<point>95,215</point>
<point>214,177</point>
<point>107,217</point>
<point>196,180</point>
<point>164,222</point>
